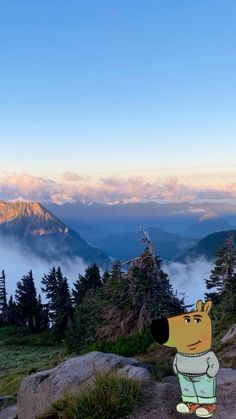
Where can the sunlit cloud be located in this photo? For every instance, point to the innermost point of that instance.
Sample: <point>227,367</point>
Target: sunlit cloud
<point>109,190</point>
<point>73,177</point>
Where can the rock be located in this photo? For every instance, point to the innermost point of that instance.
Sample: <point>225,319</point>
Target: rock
<point>230,334</point>
<point>9,413</point>
<point>38,391</point>
<point>231,352</point>
<point>170,379</point>
<point>225,376</point>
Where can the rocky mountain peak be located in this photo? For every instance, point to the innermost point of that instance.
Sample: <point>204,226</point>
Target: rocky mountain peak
<point>10,211</point>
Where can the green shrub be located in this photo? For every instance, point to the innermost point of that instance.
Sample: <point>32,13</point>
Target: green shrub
<point>124,345</point>
<point>12,331</point>
<point>112,397</point>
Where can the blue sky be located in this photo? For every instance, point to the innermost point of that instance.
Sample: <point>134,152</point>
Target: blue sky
<point>117,86</point>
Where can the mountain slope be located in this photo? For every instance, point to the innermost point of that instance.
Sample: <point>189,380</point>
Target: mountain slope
<point>208,223</point>
<point>38,230</point>
<point>208,246</point>
<point>126,245</point>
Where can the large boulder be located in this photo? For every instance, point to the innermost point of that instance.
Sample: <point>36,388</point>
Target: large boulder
<point>38,391</point>
<point>9,413</point>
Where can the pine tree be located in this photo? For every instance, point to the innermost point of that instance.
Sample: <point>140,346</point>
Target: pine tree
<point>227,306</point>
<point>116,272</point>
<point>60,311</point>
<point>49,287</point>
<point>63,305</point>
<point>26,300</point>
<point>12,312</point>
<point>91,279</point>
<point>87,300</point>
<point>42,314</point>
<point>106,276</point>
<point>131,300</point>
<point>3,300</point>
<point>223,271</point>
<point>82,331</point>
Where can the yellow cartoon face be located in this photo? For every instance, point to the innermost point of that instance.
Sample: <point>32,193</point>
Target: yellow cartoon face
<point>188,333</point>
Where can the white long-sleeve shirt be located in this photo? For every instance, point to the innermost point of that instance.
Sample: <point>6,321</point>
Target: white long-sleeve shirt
<point>196,364</point>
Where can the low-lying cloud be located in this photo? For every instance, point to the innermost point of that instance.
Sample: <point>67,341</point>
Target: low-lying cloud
<point>188,278</point>
<point>108,190</point>
<point>18,263</point>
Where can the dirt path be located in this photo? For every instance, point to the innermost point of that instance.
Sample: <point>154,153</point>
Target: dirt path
<point>159,401</point>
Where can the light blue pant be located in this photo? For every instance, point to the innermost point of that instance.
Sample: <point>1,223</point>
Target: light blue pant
<point>201,389</point>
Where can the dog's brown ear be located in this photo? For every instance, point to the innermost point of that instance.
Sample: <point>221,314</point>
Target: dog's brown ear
<point>207,306</point>
<point>199,305</point>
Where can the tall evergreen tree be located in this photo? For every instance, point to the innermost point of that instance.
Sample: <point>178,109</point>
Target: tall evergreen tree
<point>12,312</point>
<point>3,300</point>
<point>63,305</point>
<point>55,285</point>
<point>106,276</point>
<point>136,297</point>
<point>42,314</point>
<point>26,300</point>
<point>49,282</point>
<point>87,301</point>
<point>223,271</point>
<point>91,279</point>
<point>116,272</point>
<point>227,306</point>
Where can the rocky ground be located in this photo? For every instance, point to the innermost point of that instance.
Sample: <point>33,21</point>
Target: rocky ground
<point>160,395</point>
<point>159,401</point>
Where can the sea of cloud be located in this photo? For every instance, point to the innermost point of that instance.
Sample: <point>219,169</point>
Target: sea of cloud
<point>188,278</point>
<point>17,263</point>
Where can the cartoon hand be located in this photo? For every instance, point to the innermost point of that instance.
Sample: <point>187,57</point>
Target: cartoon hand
<point>213,367</point>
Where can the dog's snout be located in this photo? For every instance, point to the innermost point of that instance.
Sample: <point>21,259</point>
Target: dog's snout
<point>160,330</point>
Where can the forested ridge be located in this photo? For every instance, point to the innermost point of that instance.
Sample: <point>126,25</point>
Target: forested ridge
<point>115,304</point>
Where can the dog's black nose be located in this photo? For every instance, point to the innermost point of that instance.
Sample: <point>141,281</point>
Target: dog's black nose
<point>160,330</point>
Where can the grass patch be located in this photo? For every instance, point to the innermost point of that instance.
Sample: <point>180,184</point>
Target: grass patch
<point>22,353</point>
<point>112,397</point>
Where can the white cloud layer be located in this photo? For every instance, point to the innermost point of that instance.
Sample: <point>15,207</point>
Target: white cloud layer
<point>108,189</point>
<point>188,278</point>
<point>16,262</point>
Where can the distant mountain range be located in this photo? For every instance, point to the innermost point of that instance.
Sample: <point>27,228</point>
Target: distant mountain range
<point>35,228</point>
<point>98,233</point>
<point>127,245</point>
<point>194,220</point>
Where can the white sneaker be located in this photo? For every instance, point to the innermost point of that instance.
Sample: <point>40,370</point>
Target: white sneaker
<point>201,412</point>
<point>182,408</point>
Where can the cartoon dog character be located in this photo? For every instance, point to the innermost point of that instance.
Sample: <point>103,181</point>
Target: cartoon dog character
<point>195,364</point>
